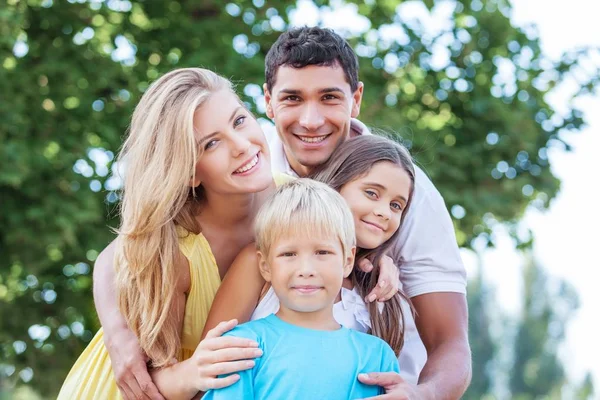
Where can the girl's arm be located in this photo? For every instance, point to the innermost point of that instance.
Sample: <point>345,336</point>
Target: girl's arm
<point>239,292</point>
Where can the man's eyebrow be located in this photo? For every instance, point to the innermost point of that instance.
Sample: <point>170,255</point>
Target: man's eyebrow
<point>324,90</point>
<point>331,89</point>
<point>233,114</point>
<point>290,91</point>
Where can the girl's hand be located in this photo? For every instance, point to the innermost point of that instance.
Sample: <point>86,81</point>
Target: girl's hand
<point>217,355</point>
<point>388,283</point>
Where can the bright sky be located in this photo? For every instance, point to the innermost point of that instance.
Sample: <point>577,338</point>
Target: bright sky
<point>565,235</point>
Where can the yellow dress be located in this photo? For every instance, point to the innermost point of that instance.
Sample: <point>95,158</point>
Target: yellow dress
<point>92,376</point>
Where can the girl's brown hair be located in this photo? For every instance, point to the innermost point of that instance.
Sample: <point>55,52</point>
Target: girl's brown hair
<point>350,161</point>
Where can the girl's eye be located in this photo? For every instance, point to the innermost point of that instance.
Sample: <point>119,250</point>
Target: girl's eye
<point>210,144</point>
<point>371,193</point>
<point>288,254</point>
<point>323,252</point>
<point>239,120</point>
<point>396,206</point>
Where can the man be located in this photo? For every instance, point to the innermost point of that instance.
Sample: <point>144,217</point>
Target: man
<point>312,93</point>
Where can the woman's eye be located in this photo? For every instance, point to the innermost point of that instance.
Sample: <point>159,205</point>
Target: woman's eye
<point>371,193</point>
<point>210,144</point>
<point>239,120</point>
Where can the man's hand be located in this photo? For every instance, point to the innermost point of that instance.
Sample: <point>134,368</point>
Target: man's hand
<point>129,366</point>
<point>395,387</point>
<point>388,283</point>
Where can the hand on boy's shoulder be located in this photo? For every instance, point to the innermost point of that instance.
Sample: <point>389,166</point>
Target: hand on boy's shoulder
<point>378,348</point>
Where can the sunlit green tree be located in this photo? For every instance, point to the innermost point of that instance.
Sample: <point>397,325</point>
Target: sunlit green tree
<point>72,71</point>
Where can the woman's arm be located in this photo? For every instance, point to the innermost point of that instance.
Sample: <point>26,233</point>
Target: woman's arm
<point>239,292</point>
<point>127,358</point>
<point>215,355</point>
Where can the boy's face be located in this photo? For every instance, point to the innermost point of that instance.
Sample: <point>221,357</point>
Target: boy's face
<point>306,273</point>
<point>312,108</point>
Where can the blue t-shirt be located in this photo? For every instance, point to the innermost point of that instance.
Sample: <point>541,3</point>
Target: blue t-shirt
<point>301,363</point>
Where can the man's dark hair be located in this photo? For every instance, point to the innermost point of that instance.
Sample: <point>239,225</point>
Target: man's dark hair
<point>300,47</point>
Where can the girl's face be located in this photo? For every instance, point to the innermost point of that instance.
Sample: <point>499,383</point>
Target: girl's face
<point>235,156</point>
<point>377,201</point>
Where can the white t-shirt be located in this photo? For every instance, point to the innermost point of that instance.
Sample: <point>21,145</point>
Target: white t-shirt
<point>426,252</point>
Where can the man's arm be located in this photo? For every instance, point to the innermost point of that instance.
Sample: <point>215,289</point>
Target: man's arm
<point>442,321</point>
<point>127,359</point>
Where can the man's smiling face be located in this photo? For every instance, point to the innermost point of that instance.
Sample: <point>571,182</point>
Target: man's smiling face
<point>312,108</point>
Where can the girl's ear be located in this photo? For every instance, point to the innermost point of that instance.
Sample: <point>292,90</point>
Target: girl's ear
<point>349,264</point>
<point>263,266</point>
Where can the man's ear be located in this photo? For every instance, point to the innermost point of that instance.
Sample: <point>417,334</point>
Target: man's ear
<point>268,102</point>
<point>357,99</point>
<point>349,262</point>
<point>263,267</point>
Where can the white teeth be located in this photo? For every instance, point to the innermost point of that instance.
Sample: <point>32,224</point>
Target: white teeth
<point>248,166</point>
<point>312,139</point>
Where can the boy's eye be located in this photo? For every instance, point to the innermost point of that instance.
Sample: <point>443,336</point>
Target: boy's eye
<point>239,120</point>
<point>323,252</point>
<point>288,254</point>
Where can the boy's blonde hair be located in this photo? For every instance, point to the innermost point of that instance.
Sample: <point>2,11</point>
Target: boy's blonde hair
<point>304,207</point>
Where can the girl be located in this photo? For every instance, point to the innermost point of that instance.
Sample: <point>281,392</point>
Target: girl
<point>197,170</point>
<point>376,178</point>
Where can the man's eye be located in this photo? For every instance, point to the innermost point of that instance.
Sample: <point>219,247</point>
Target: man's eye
<point>291,98</point>
<point>330,97</point>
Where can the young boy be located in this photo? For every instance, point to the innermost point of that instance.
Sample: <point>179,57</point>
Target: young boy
<point>306,243</point>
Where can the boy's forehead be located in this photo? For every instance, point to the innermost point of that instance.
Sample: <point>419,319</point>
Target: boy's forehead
<point>306,236</point>
<point>311,78</point>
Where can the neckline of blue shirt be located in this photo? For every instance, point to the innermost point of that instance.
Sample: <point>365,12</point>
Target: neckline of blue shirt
<point>278,322</point>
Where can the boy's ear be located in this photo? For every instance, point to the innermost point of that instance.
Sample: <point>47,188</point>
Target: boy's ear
<point>263,266</point>
<point>268,102</point>
<point>349,264</point>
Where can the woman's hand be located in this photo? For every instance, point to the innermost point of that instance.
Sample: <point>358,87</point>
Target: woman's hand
<point>129,366</point>
<point>388,283</point>
<point>217,355</point>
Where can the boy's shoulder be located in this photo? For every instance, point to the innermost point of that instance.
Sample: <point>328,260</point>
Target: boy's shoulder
<point>367,339</point>
<point>373,345</point>
<point>253,330</point>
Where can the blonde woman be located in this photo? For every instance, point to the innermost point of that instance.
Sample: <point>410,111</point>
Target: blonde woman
<point>197,170</point>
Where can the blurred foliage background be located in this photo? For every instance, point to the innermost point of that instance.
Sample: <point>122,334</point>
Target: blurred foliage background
<point>468,101</point>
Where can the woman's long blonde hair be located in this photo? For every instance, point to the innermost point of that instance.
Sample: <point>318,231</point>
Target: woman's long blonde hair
<point>159,156</point>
